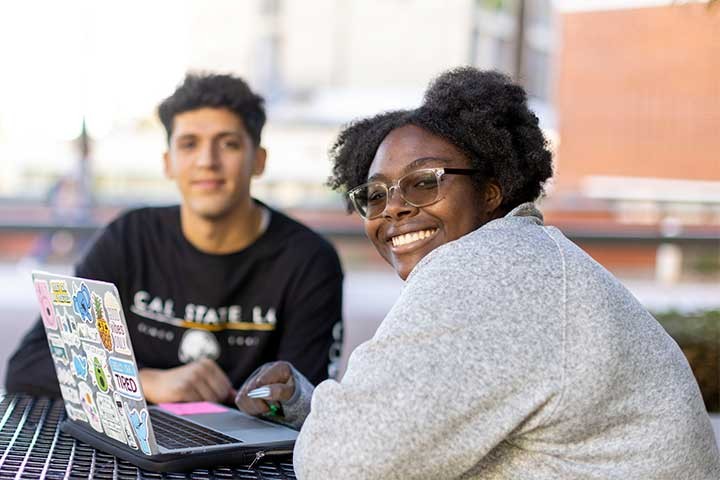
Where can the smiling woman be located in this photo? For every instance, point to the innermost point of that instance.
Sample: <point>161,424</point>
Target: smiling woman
<point>510,352</point>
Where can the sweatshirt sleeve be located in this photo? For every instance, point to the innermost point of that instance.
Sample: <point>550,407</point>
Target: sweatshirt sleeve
<point>452,372</point>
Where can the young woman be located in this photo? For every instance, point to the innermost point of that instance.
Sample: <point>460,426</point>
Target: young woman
<point>510,353</point>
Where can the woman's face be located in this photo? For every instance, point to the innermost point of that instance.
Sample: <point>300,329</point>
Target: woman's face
<point>403,234</point>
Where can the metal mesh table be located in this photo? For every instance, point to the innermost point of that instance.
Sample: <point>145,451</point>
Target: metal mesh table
<point>32,446</point>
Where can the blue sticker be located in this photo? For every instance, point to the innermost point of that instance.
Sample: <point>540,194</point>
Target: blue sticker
<point>138,421</point>
<point>79,365</point>
<point>81,303</point>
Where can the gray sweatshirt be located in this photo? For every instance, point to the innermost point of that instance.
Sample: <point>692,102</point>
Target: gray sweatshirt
<point>511,354</point>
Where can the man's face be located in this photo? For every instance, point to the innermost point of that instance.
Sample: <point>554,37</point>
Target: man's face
<point>212,159</point>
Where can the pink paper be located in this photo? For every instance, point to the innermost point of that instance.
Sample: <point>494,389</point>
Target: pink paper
<point>192,408</point>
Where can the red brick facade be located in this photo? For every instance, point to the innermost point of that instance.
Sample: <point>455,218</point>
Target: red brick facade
<point>639,94</point>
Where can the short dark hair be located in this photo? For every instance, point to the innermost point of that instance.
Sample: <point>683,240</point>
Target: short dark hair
<point>215,91</point>
<point>483,113</point>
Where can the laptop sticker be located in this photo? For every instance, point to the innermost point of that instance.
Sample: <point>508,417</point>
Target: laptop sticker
<point>110,420</point>
<point>81,302</point>
<point>102,324</point>
<point>89,406</point>
<point>126,423</point>
<point>70,394</point>
<point>138,421</point>
<point>75,413</point>
<point>79,365</point>
<point>68,329</point>
<point>65,376</point>
<point>60,294</point>
<point>125,378</point>
<point>119,335</point>
<point>58,349</point>
<point>98,367</point>
<point>88,333</point>
<point>47,312</point>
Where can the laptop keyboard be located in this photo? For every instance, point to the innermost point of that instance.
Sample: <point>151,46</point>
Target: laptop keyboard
<point>173,432</point>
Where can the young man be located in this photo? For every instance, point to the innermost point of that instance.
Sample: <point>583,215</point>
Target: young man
<point>218,285</point>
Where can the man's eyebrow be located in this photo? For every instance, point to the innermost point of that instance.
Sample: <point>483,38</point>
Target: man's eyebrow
<point>184,136</point>
<point>229,133</point>
<point>224,133</point>
<point>415,164</point>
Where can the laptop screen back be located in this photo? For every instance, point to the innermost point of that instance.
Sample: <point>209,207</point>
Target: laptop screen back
<point>93,357</point>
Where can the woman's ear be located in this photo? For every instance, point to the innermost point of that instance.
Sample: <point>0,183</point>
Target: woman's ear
<point>493,196</point>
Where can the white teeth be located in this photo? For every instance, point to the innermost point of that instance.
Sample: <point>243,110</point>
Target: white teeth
<point>412,237</point>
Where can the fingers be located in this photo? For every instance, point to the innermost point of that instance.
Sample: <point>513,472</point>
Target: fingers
<point>272,383</point>
<point>277,392</point>
<point>216,380</point>
<point>275,372</point>
<point>251,406</point>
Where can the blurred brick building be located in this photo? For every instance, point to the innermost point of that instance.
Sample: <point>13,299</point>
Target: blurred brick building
<point>638,160</point>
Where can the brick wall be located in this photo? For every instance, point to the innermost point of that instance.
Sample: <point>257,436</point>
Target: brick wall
<point>639,94</point>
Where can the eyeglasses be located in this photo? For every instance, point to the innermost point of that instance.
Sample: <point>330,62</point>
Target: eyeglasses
<point>418,188</point>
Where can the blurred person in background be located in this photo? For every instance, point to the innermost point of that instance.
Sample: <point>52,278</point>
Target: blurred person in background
<point>510,354</point>
<point>218,285</point>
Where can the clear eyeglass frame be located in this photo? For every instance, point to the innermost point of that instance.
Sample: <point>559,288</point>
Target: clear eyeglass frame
<point>359,197</point>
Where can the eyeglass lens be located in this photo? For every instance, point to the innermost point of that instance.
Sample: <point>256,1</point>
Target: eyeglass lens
<point>417,188</point>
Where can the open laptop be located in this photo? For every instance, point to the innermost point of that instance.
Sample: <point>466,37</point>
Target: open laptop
<point>98,375</point>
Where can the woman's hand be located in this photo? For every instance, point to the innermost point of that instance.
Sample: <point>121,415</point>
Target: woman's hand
<point>269,385</point>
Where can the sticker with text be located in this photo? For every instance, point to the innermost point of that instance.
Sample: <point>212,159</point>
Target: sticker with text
<point>47,311</point>
<point>58,349</point>
<point>109,416</point>
<point>60,293</point>
<point>126,423</point>
<point>117,329</point>
<point>125,377</point>
<point>89,406</point>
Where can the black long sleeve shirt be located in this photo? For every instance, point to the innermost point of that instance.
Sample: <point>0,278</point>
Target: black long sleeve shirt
<point>278,299</point>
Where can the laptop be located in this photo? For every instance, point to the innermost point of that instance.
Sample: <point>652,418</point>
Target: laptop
<point>93,356</point>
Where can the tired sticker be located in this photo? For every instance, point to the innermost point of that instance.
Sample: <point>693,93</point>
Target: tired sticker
<point>125,377</point>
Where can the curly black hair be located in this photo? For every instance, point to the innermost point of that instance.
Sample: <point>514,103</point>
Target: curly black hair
<point>482,113</point>
<point>215,91</point>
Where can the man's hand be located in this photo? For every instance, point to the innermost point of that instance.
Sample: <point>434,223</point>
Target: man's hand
<point>201,380</point>
<point>277,378</point>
